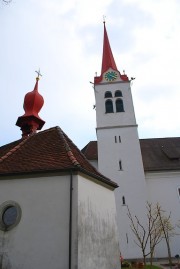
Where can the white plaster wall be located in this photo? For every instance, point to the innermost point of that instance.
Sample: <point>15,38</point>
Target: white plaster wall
<point>111,151</point>
<point>97,228</point>
<point>162,189</point>
<point>40,240</point>
<point>130,179</point>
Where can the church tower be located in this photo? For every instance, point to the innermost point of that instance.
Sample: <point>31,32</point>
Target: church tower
<point>119,154</point>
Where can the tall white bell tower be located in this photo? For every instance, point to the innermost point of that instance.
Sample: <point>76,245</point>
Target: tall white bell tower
<point>119,154</point>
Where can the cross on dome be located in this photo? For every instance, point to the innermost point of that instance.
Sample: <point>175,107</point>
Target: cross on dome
<point>39,74</point>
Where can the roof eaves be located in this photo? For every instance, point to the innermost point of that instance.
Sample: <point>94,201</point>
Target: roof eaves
<point>100,178</point>
<point>75,169</point>
<point>40,171</point>
<point>155,169</point>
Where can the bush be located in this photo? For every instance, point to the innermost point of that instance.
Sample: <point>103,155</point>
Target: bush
<point>125,264</point>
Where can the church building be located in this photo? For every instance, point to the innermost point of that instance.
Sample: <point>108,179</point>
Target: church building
<point>56,210</point>
<point>62,208</point>
<point>144,169</point>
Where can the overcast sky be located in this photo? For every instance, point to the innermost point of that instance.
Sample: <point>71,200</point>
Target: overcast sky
<point>64,39</point>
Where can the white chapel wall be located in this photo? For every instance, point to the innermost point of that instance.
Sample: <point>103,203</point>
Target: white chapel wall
<point>97,228</point>
<point>40,240</point>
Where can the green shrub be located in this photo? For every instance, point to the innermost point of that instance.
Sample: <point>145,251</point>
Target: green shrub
<point>125,264</point>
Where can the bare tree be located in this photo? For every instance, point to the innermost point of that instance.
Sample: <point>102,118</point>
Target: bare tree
<point>168,229</point>
<point>154,229</point>
<point>147,235</point>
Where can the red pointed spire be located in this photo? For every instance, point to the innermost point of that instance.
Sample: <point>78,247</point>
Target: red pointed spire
<point>30,121</point>
<point>107,59</point>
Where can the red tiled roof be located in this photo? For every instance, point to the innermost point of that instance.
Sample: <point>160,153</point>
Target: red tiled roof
<point>49,150</point>
<point>157,153</point>
<point>90,150</point>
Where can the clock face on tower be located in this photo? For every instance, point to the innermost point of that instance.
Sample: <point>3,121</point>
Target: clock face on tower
<point>110,75</point>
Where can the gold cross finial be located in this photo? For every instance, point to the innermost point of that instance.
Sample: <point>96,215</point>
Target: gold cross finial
<point>104,19</point>
<point>39,74</point>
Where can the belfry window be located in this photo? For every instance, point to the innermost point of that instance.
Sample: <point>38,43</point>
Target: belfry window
<point>119,105</point>
<point>123,200</point>
<point>109,106</point>
<point>118,94</point>
<point>108,95</point>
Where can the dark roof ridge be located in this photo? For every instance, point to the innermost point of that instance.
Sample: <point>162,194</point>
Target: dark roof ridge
<point>11,151</point>
<point>48,130</point>
<point>160,138</point>
<point>68,149</point>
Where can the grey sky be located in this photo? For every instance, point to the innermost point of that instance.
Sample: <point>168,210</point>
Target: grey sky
<point>64,38</point>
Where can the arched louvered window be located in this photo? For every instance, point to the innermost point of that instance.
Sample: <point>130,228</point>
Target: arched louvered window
<point>118,94</point>
<point>109,106</point>
<point>119,105</point>
<point>108,95</point>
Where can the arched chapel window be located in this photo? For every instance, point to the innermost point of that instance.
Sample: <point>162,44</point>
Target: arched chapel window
<point>108,95</point>
<point>119,105</point>
<point>118,94</point>
<point>109,106</point>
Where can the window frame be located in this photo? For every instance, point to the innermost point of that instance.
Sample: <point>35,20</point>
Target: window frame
<point>118,93</point>
<point>3,207</point>
<point>106,110</point>
<point>108,93</point>
<point>120,105</point>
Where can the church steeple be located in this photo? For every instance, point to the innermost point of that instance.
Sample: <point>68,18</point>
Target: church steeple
<point>30,122</point>
<point>108,63</point>
<point>107,59</point>
<point>119,154</point>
